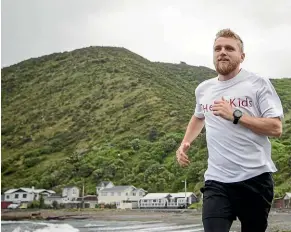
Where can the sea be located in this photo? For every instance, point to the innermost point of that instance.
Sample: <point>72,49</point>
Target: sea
<point>95,225</point>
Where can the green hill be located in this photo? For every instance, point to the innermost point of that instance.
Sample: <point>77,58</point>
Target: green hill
<point>104,113</point>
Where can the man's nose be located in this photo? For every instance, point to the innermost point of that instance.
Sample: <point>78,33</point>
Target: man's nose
<point>222,51</point>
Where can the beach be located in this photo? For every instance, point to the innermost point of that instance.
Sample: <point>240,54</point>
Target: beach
<point>279,221</point>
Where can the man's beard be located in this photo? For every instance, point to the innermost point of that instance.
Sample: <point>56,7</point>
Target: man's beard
<point>225,68</point>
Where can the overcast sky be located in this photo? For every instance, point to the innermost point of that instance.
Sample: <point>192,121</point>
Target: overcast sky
<point>159,30</point>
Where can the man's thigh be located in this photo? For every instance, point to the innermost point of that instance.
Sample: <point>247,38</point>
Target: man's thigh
<point>217,224</point>
<point>254,206</point>
<point>217,210</point>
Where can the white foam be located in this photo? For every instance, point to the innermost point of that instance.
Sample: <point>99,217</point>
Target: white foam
<point>95,225</point>
<point>57,228</point>
<point>18,229</point>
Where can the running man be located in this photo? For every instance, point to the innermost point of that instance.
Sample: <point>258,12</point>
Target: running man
<point>239,110</point>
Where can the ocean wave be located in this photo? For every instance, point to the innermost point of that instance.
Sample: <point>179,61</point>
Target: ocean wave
<point>50,228</point>
<point>57,228</point>
<point>94,225</point>
<point>19,229</point>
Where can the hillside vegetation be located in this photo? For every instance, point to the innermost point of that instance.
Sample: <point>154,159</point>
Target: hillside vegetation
<point>104,113</point>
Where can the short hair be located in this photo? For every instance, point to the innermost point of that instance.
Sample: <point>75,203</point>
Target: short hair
<point>227,33</point>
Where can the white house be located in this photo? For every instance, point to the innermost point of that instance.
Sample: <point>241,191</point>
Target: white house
<point>26,194</point>
<point>121,194</point>
<point>90,201</point>
<point>70,193</point>
<point>50,199</point>
<point>102,185</point>
<point>167,200</point>
<point>155,200</point>
<point>178,199</point>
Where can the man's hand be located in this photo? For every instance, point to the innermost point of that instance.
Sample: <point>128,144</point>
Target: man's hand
<point>223,109</point>
<point>181,155</point>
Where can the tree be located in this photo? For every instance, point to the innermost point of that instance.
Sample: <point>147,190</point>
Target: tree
<point>55,205</point>
<point>41,202</point>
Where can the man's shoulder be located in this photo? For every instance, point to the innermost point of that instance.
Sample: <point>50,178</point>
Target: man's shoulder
<point>206,83</point>
<point>255,78</point>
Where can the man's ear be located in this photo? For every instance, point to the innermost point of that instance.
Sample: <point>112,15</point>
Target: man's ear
<point>243,55</point>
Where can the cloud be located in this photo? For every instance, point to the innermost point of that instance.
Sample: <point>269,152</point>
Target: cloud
<point>169,31</point>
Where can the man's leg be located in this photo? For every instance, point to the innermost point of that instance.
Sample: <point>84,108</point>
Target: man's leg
<point>217,224</point>
<point>217,213</point>
<point>254,206</point>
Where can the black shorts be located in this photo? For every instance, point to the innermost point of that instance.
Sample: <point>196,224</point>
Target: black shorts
<point>249,201</point>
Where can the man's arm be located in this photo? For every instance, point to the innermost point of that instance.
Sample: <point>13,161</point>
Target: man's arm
<point>194,128</point>
<point>262,126</point>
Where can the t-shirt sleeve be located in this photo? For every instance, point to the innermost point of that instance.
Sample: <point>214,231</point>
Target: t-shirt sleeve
<point>269,102</point>
<point>198,112</point>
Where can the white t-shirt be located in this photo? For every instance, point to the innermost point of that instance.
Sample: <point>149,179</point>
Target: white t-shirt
<point>235,153</point>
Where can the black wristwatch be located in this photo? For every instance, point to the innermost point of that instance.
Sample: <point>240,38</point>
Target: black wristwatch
<point>237,115</point>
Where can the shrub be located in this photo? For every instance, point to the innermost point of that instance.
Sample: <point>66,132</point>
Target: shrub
<point>196,205</point>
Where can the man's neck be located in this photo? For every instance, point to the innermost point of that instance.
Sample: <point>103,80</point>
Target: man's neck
<point>230,75</point>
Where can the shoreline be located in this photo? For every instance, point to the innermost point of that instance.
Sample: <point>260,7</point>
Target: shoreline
<point>108,214</point>
<point>279,220</point>
<point>63,214</point>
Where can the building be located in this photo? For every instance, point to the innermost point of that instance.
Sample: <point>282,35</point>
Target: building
<point>54,197</point>
<point>167,200</point>
<point>124,196</point>
<point>155,200</point>
<point>4,204</point>
<point>90,201</point>
<point>70,193</point>
<point>282,202</point>
<point>120,193</point>
<point>25,194</point>
<point>178,199</point>
<point>287,200</point>
<point>102,185</point>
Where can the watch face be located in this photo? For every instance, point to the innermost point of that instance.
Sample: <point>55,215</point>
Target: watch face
<point>237,113</point>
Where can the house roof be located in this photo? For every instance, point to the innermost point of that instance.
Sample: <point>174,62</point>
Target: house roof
<point>103,183</point>
<point>182,194</point>
<point>10,191</point>
<point>117,188</point>
<point>28,190</point>
<point>40,190</point>
<point>139,189</point>
<point>54,196</point>
<point>155,196</point>
<point>51,191</point>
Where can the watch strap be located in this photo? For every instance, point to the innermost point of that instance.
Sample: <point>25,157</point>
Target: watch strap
<point>235,121</point>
